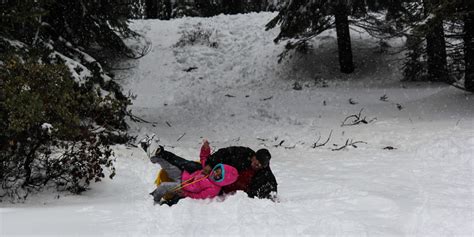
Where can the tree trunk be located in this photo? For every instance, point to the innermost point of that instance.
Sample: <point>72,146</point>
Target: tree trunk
<point>436,51</point>
<point>205,7</point>
<point>469,51</point>
<point>394,9</point>
<point>151,9</point>
<point>359,7</point>
<point>226,6</point>
<point>167,9</point>
<point>258,5</point>
<point>236,6</point>
<point>373,5</point>
<point>343,39</point>
<point>436,48</point>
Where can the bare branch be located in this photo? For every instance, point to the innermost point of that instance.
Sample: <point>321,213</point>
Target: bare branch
<point>139,53</point>
<point>290,147</point>
<point>321,144</point>
<point>352,102</point>
<point>181,137</point>
<point>279,144</point>
<point>349,142</point>
<point>137,119</point>
<point>356,119</point>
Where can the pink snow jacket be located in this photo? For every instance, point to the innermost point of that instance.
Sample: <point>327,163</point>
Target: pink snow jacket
<point>207,188</point>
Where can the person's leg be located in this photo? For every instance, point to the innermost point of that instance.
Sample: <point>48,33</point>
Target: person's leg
<point>173,171</point>
<point>164,187</point>
<point>181,163</point>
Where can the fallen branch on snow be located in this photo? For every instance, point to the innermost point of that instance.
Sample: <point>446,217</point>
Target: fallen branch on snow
<point>348,143</point>
<point>321,144</point>
<point>181,137</point>
<point>356,119</point>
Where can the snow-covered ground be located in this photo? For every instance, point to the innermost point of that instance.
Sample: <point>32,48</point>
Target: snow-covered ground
<point>240,95</point>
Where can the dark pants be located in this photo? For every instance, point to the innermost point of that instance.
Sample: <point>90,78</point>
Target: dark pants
<point>176,161</point>
<point>179,162</point>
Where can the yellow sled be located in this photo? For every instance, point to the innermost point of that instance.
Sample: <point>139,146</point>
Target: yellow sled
<point>162,176</point>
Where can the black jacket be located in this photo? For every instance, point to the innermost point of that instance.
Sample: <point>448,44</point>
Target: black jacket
<point>262,184</point>
<point>235,156</point>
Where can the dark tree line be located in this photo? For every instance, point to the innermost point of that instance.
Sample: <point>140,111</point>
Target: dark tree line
<point>166,9</point>
<point>439,32</point>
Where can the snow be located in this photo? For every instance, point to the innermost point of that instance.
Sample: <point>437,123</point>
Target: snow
<point>47,127</point>
<point>73,66</point>
<point>14,43</point>
<point>240,95</point>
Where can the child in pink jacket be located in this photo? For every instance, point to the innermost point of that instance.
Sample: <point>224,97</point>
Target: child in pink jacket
<point>189,181</point>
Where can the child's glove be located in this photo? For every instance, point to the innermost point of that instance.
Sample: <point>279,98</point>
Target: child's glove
<point>205,145</point>
<point>205,152</point>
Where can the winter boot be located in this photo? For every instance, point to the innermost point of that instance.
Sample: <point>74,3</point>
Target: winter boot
<point>146,142</point>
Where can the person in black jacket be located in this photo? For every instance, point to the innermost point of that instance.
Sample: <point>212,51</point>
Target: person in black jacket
<point>255,175</point>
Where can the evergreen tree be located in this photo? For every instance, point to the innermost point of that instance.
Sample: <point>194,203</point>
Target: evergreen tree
<point>341,13</point>
<point>165,9</point>
<point>394,9</point>
<point>257,5</point>
<point>447,27</point>
<point>435,44</point>
<point>151,9</point>
<point>469,50</point>
<point>303,20</point>
<point>232,6</point>
<point>206,7</point>
<point>60,110</point>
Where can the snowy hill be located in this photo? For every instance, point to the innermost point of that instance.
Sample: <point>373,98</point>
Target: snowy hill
<point>229,88</point>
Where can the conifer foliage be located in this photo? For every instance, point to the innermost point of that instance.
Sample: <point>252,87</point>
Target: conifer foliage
<point>302,20</point>
<point>60,110</point>
<point>438,33</point>
<point>440,41</point>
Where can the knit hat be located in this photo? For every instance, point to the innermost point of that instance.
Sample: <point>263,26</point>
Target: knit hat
<point>263,156</point>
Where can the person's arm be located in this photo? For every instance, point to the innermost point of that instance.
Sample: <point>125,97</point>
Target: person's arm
<point>263,185</point>
<point>217,157</point>
<point>214,159</point>
<point>205,153</point>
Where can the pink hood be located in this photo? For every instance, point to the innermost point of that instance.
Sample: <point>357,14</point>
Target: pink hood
<point>230,175</point>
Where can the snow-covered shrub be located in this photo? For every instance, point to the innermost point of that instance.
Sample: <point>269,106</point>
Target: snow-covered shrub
<point>197,36</point>
<point>59,109</point>
<point>49,131</point>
